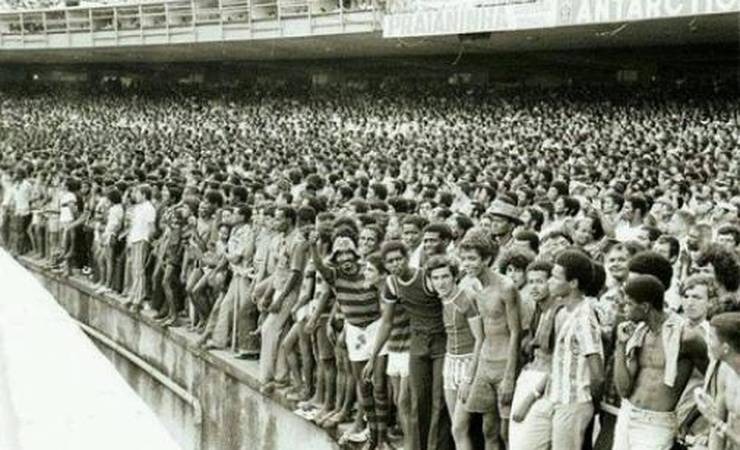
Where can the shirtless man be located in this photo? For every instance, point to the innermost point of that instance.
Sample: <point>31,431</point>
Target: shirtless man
<point>723,412</point>
<point>654,359</point>
<point>497,300</point>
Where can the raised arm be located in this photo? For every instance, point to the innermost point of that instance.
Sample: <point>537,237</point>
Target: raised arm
<point>327,273</point>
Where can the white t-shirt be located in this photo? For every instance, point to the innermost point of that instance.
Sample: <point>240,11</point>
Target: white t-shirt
<point>143,217</point>
<point>8,189</point>
<point>66,200</point>
<point>113,222</point>
<point>22,198</point>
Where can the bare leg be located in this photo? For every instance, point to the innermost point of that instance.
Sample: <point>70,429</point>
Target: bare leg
<point>461,428</point>
<point>307,359</point>
<point>491,430</point>
<point>451,400</point>
<point>330,386</point>
<point>364,398</point>
<point>290,354</point>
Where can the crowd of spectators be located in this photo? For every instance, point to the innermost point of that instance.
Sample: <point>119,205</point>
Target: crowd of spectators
<point>562,263</point>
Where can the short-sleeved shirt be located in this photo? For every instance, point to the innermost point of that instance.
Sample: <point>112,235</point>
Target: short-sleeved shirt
<point>22,198</point>
<point>276,251</point>
<point>67,202</point>
<point>241,242</point>
<point>263,246</point>
<point>457,311</point>
<point>173,248</point>
<point>8,188</point>
<point>578,336</point>
<point>143,218</point>
<point>291,256</point>
<point>113,223</point>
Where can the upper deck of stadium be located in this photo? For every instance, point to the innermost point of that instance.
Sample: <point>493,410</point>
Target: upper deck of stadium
<point>202,30</point>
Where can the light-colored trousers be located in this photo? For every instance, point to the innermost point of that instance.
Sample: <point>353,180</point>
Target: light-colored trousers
<point>237,295</point>
<point>569,423</point>
<point>139,253</point>
<point>535,431</point>
<point>272,331</point>
<point>642,429</point>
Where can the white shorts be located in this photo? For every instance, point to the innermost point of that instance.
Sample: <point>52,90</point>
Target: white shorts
<point>398,364</point>
<point>456,370</point>
<point>360,341</point>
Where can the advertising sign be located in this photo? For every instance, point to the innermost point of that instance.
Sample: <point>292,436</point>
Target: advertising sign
<point>428,18</point>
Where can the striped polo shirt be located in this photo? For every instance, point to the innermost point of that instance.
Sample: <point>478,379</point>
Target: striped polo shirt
<point>578,336</point>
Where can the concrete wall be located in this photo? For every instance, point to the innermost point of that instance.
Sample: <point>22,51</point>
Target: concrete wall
<point>235,415</point>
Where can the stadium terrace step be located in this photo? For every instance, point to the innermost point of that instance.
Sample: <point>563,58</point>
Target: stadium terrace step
<point>236,416</point>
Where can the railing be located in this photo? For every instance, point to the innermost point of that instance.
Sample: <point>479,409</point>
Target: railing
<point>164,15</point>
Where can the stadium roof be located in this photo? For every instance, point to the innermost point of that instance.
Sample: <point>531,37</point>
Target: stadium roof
<point>684,31</point>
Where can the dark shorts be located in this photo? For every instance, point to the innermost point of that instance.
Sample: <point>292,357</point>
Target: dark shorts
<point>483,397</point>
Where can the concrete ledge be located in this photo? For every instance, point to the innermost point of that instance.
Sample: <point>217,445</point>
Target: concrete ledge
<point>235,415</point>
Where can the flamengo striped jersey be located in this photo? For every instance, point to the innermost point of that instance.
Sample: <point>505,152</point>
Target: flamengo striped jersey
<point>577,337</point>
<point>358,303</point>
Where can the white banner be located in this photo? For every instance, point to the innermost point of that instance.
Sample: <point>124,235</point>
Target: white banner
<point>463,17</point>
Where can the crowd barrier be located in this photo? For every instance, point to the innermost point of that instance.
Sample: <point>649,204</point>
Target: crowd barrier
<point>207,400</point>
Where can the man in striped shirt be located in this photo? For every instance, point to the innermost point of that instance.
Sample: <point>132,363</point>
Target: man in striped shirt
<point>359,303</point>
<point>577,374</point>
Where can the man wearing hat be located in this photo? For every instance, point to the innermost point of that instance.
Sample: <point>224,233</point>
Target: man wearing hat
<point>504,217</point>
<point>655,357</point>
<point>359,303</point>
